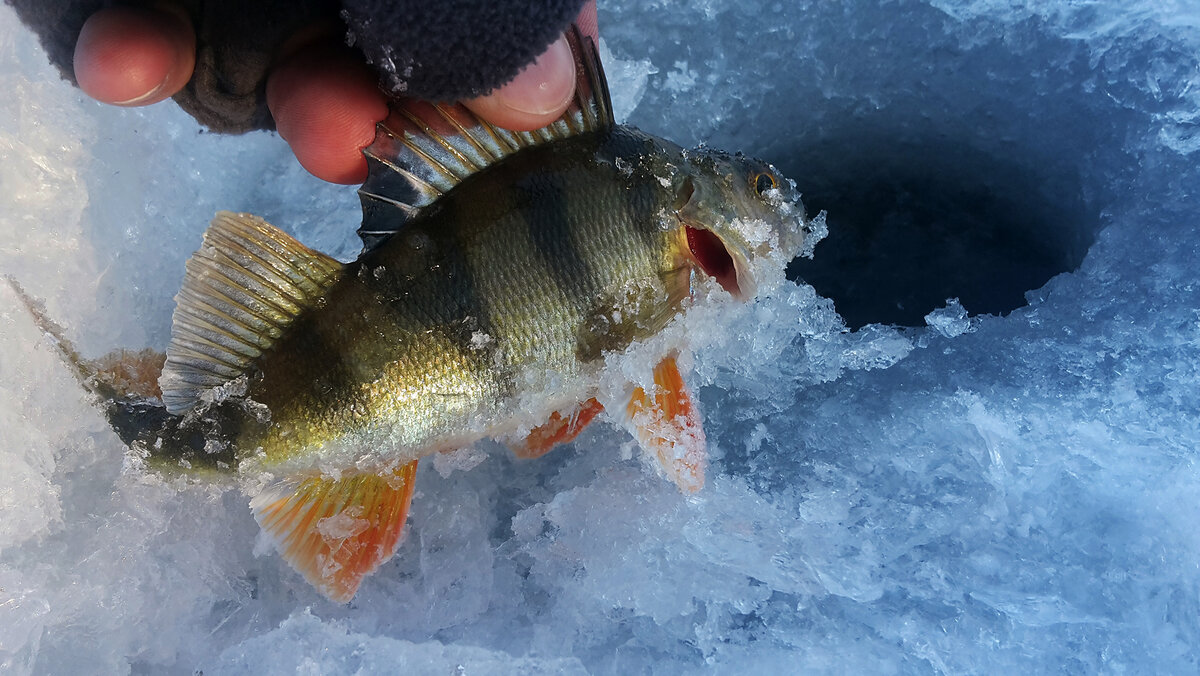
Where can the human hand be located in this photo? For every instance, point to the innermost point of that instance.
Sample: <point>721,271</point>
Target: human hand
<point>323,97</point>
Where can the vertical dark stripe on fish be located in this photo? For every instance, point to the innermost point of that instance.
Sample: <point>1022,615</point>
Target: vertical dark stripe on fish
<point>453,305</point>
<point>317,343</point>
<point>644,206</point>
<point>547,213</point>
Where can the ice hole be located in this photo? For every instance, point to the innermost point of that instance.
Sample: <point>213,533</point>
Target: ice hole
<point>953,159</point>
<point>914,223</point>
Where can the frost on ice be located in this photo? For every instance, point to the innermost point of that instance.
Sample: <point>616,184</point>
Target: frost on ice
<point>1002,482</point>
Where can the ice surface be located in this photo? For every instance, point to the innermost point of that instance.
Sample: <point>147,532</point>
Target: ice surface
<point>978,494</point>
<point>951,321</point>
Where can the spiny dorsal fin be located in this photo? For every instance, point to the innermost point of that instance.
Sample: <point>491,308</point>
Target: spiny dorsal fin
<point>335,532</point>
<point>422,150</point>
<point>244,286</point>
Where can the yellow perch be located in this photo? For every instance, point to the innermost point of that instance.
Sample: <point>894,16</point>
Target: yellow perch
<point>500,269</point>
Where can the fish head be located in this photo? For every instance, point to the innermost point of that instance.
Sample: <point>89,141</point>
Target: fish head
<point>738,215</point>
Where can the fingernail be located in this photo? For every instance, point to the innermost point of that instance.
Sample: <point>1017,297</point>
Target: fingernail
<point>545,86</point>
<point>144,98</point>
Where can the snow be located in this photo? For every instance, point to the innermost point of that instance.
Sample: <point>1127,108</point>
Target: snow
<point>1006,481</point>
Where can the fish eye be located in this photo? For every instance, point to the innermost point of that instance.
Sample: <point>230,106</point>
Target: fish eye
<point>763,182</point>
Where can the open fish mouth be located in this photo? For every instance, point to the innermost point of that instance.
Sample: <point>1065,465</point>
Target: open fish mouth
<point>712,238</point>
<point>714,259</point>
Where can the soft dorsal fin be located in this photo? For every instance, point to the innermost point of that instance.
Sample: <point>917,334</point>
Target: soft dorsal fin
<point>422,150</point>
<point>244,286</point>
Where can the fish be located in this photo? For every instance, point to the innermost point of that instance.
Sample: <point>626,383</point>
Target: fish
<point>500,271</point>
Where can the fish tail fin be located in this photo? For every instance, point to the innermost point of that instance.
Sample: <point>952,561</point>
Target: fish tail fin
<point>83,370</point>
<point>123,384</point>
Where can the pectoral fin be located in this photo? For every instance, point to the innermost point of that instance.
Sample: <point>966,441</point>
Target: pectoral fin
<point>667,425</point>
<point>335,532</point>
<point>559,429</point>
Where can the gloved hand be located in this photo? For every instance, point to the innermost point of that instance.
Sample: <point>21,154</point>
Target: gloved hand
<point>323,97</point>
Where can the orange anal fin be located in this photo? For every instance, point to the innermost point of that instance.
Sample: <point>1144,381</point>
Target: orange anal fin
<point>557,430</point>
<point>335,532</point>
<point>667,425</point>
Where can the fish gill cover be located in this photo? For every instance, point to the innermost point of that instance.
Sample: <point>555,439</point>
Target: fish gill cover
<point>1005,481</point>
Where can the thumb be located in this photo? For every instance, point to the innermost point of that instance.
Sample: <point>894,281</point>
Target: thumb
<point>536,97</point>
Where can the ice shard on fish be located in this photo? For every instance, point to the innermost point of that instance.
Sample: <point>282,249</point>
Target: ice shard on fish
<point>500,268</point>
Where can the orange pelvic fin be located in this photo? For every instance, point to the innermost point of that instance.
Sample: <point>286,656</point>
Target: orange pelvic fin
<point>667,424</point>
<point>335,532</point>
<point>559,429</point>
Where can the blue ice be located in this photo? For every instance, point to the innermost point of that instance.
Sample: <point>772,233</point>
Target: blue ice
<point>984,462</point>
